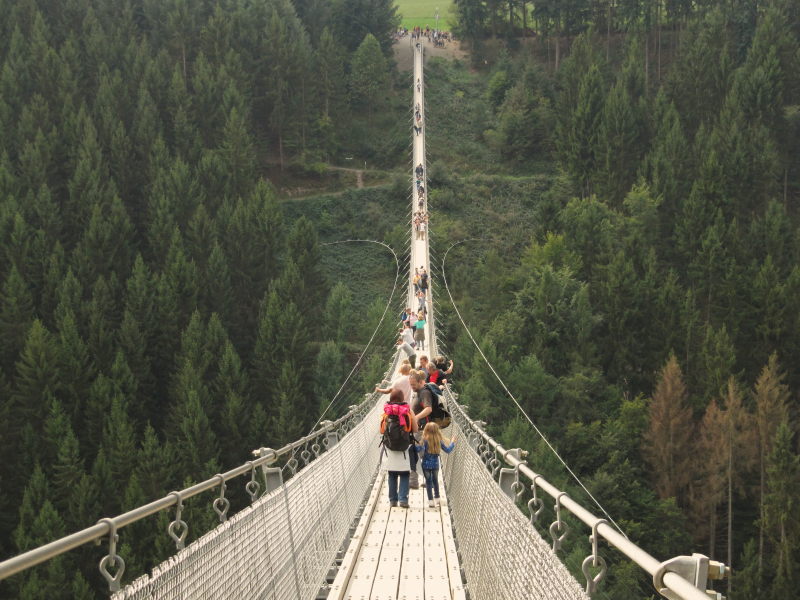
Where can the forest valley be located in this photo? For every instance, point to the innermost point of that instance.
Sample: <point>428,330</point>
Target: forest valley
<point>629,168</point>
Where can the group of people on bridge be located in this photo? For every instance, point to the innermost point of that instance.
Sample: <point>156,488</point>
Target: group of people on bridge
<point>411,427</point>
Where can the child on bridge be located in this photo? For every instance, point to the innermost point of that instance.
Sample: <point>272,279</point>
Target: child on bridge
<point>432,445</point>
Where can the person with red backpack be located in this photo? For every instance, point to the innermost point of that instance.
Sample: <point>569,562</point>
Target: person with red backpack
<point>397,428</point>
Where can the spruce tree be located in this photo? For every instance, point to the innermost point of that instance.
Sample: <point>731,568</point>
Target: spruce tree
<point>337,309</point>
<point>583,154</point>
<point>781,515</point>
<point>291,406</point>
<point>368,76</point>
<point>16,316</point>
<point>772,404</point>
<point>667,442</point>
<point>303,247</point>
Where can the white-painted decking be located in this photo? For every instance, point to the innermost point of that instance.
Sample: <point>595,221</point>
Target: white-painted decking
<point>404,553</point>
<point>400,553</point>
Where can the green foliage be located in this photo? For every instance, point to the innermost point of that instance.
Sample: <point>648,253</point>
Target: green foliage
<point>368,76</point>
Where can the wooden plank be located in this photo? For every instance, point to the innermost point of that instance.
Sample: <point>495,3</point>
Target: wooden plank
<point>453,565</point>
<point>363,576</point>
<point>340,583</point>
<point>387,577</point>
<point>437,584</point>
<point>412,570</point>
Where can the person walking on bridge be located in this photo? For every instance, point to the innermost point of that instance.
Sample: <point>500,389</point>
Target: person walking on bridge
<point>432,445</point>
<point>419,334</point>
<point>421,407</point>
<point>401,382</point>
<point>397,428</point>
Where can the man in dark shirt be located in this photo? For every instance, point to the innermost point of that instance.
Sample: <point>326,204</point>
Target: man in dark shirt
<point>421,407</point>
<point>423,399</point>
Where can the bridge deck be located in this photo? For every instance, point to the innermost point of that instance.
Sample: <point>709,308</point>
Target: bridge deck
<point>400,554</point>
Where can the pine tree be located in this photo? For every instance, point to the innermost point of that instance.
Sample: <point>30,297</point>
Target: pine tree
<point>329,373</point>
<point>102,322</point>
<point>303,246</point>
<point>330,73</point>
<point>368,76</point>
<point>77,367</point>
<point>39,524</point>
<point>216,294</point>
<point>781,520</point>
<point>38,378</point>
<point>583,158</point>
<point>292,404</point>
<point>337,308</point>
<point>119,441</point>
<point>195,444</point>
<point>667,442</point>
<point>771,397</point>
<point>623,136</point>
<point>16,315</point>
<point>134,349</point>
<point>238,157</point>
<point>740,453</point>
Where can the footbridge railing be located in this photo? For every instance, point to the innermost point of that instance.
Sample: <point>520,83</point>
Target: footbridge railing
<point>502,553</point>
<point>281,546</point>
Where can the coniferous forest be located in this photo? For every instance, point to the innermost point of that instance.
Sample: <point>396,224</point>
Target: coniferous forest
<point>160,315</point>
<point>627,172</point>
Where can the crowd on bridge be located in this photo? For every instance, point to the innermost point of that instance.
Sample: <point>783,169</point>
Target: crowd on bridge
<point>411,426</point>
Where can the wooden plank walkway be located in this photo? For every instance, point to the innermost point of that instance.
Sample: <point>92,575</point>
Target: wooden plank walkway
<point>400,554</point>
<point>404,553</point>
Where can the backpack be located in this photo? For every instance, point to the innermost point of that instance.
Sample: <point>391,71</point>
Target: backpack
<point>438,414</point>
<point>396,426</point>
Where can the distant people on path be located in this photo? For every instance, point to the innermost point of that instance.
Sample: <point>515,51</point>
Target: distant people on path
<point>419,332</point>
<point>407,334</point>
<point>423,280</point>
<point>431,447</point>
<point>421,298</point>
<point>419,171</point>
<point>397,428</point>
<point>420,226</point>
<point>409,350</point>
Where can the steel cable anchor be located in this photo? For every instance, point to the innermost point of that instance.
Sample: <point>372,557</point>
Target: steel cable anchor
<point>221,504</point>
<point>112,559</point>
<point>595,560</point>
<point>516,487</point>
<point>178,524</point>
<point>252,487</point>
<point>558,525</point>
<point>535,501</point>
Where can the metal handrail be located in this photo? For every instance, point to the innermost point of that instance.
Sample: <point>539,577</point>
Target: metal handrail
<point>671,580</point>
<point>104,527</point>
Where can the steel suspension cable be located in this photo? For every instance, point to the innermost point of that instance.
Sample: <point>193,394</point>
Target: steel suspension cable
<point>377,327</point>
<point>510,395</point>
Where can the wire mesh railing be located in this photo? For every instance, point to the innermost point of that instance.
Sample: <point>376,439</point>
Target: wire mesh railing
<point>503,554</point>
<point>280,547</point>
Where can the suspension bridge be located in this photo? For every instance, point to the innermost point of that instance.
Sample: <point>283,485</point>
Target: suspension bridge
<point>320,525</point>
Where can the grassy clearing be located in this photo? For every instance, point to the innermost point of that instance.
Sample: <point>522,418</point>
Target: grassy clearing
<point>421,12</point>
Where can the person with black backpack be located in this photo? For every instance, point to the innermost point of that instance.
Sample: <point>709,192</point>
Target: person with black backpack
<point>422,407</point>
<point>397,428</point>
